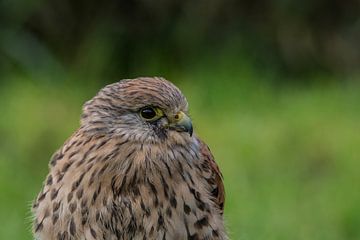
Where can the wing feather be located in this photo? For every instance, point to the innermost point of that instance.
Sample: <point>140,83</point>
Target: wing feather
<point>216,179</point>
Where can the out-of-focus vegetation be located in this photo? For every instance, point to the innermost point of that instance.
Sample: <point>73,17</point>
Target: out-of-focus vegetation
<point>273,88</point>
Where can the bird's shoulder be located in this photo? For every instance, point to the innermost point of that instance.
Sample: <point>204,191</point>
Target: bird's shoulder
<point>215,179</point>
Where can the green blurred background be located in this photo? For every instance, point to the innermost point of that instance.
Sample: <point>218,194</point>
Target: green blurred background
<point>273,88</point>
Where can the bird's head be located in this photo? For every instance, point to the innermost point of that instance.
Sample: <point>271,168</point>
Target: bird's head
<point>141,109</point>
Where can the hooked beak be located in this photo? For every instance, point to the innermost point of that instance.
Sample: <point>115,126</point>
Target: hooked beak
<point>181,123</point>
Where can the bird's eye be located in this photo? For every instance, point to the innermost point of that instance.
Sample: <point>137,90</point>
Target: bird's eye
<point>151,113</point>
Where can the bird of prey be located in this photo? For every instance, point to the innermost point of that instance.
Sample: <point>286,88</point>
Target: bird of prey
<point>133,170</point>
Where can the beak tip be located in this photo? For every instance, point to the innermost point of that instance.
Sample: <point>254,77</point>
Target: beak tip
<point>183,124</point>
<point>191,131</point>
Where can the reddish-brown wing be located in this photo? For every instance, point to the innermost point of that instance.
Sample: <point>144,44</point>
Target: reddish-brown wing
<point>215,179</point>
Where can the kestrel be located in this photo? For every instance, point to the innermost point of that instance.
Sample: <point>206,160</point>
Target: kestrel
<point>133,170</point>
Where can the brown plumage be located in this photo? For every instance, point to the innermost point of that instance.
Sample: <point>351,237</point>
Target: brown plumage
<point>133,170</point>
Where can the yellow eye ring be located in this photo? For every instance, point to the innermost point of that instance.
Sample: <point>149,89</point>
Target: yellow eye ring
<point>150,113</point>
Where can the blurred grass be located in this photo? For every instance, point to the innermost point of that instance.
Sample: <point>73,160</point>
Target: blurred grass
<point>289,155</point>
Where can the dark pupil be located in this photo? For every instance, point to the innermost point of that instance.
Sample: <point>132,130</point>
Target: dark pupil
<point>148,113</point>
